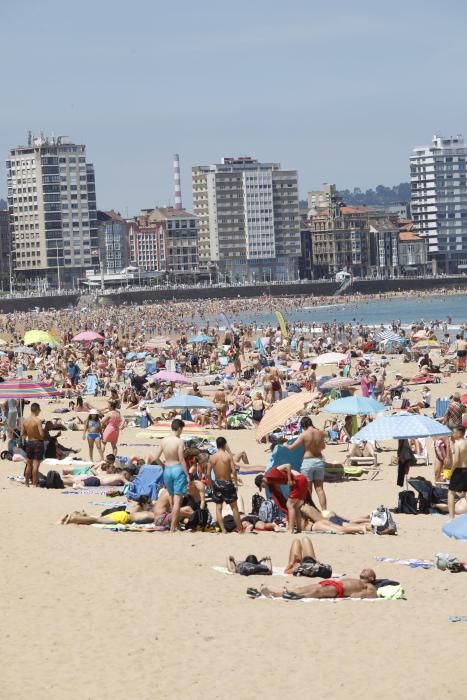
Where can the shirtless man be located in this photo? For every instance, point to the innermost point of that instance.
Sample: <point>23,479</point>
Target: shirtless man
<point>313,465</point>
<point>33,434</point>
<point>363,587</point>
<point>224,485</point>
<point>461,351</point>
<point>175,470</point>
<point>458,481</point>
<point>98,477</point>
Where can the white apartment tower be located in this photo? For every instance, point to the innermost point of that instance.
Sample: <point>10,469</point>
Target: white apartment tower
<point>52,211</point>
<point>439,201</point>
<point>248,219</point>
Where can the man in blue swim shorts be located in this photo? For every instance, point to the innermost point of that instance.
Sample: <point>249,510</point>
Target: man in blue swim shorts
<point>170,455</point>
<point>313,464</point>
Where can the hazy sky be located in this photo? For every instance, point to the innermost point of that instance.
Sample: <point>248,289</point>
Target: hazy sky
<point>341,91</point>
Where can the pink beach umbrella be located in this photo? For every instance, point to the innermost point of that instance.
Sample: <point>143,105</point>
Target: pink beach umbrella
<point>166,376</point>
<point>87,336</point>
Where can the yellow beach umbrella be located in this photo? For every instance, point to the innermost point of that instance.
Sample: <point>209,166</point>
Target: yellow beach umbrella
<point>36,336</point>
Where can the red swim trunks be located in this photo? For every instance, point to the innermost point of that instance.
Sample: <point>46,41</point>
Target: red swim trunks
<point>299,488</point>
<point>335,584</point>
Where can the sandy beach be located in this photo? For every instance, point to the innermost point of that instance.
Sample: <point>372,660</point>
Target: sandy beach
<point>93,614</point>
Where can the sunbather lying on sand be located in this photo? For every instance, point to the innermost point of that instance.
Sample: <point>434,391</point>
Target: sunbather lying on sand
<point>327,521</point>
<point>363,587</point>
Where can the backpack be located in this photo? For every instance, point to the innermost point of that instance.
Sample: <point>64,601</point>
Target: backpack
<point>256,500</point>
<point>313,570</point>
<point>53,480</point>
<point>269,512</point>
<point>407,503</point>
<point>381,521</point>
<point>246,568</point>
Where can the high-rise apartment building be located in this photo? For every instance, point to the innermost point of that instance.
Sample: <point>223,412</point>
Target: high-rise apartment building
<point>52,210</point>
<point>6,262</point>
<point>248,219</point>
<point>439,201</point>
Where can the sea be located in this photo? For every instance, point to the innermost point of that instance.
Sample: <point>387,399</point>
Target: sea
<point>371,313</point>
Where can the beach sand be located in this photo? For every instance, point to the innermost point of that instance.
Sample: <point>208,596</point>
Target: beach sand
<point>94,614</point>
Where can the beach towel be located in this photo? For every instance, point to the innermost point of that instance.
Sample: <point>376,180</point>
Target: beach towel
<point>147,483</point>
<point>91,386</point>
<point>276,571</point>
<point>131,527</point>
<point>413,563</point>
<point>327,600</point>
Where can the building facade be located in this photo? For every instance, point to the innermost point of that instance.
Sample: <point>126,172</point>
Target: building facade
<point>439,201</point>
<point>52,211</point>
<point>165,239</point>
<point>113,241</point>
<point>248,219</point>
<point>6,262</point>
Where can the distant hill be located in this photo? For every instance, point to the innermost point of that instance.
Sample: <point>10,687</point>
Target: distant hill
<point>2,204</point>
<point>380,195</point>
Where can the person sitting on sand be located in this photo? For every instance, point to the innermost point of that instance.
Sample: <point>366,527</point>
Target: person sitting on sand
<point>363,587</point>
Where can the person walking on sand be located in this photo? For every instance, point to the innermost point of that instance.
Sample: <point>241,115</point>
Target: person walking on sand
<point>33,434</point>
<point>313,465</point>
<point>224,484</point>
<point>171,451</point>
<point>458,481</point>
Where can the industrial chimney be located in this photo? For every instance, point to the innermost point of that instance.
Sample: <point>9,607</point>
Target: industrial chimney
<point>178,187</point>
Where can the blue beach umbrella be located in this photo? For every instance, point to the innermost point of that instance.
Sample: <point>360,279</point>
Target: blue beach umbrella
<point>201,339</point>
<point>354,406</point>
<point>187,401</point>
<point>401,426</point>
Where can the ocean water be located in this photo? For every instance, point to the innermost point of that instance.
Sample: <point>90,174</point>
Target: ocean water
<point>407,310</point>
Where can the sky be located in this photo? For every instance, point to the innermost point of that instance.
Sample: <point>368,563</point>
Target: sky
<point>340,91</point>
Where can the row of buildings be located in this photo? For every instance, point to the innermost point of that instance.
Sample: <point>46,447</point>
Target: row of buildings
<point>247,223</point>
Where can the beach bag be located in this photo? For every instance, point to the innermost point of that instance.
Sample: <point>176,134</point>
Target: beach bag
<point>269,512</point>
<point>313,569</point>
<point>381,521</point>
<point>407,503</point>
<point>53,480</point>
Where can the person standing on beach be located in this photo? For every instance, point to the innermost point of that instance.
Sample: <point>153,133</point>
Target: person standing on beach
<point>313,465</point>
<point>461,351</point>
<point>224,484</point>
<point>458,481</point>
<point>176,474</point>
<point>33,434</point>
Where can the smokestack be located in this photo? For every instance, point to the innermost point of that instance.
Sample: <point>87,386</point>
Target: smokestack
<point>178,187</point>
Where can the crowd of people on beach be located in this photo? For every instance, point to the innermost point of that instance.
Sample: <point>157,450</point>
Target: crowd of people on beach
<point>232,376</point>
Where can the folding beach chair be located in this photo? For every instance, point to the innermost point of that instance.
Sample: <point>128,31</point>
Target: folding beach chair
<point>441,407</point>
<point>147,483</point>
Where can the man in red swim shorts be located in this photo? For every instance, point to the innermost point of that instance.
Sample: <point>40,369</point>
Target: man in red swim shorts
<point>298,484</point>
<point>362,587</point>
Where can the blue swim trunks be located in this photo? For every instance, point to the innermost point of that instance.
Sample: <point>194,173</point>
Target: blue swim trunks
<point>175,479</point>
<point>313,468</point>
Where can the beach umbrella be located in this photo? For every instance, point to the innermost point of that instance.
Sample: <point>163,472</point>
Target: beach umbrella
<point>36,336</point>
<point>401,426</point>
<point>330,358</point>
<point>354,406</point>
<point>23,350</point>
<point>25,389</point>
<point>166,376</point>
<point>87,336</point>
<point>187,401</point>
<point>389,335</point>
<point>338,383</point>
<point>201,338</point>
<point>281,411</point>
<point>427,344</point>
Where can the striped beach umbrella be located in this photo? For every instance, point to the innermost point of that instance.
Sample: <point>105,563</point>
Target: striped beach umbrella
<point>389,335</point>
<point>155,343</point>
<point>401,426</point>
<point>26,389</point>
